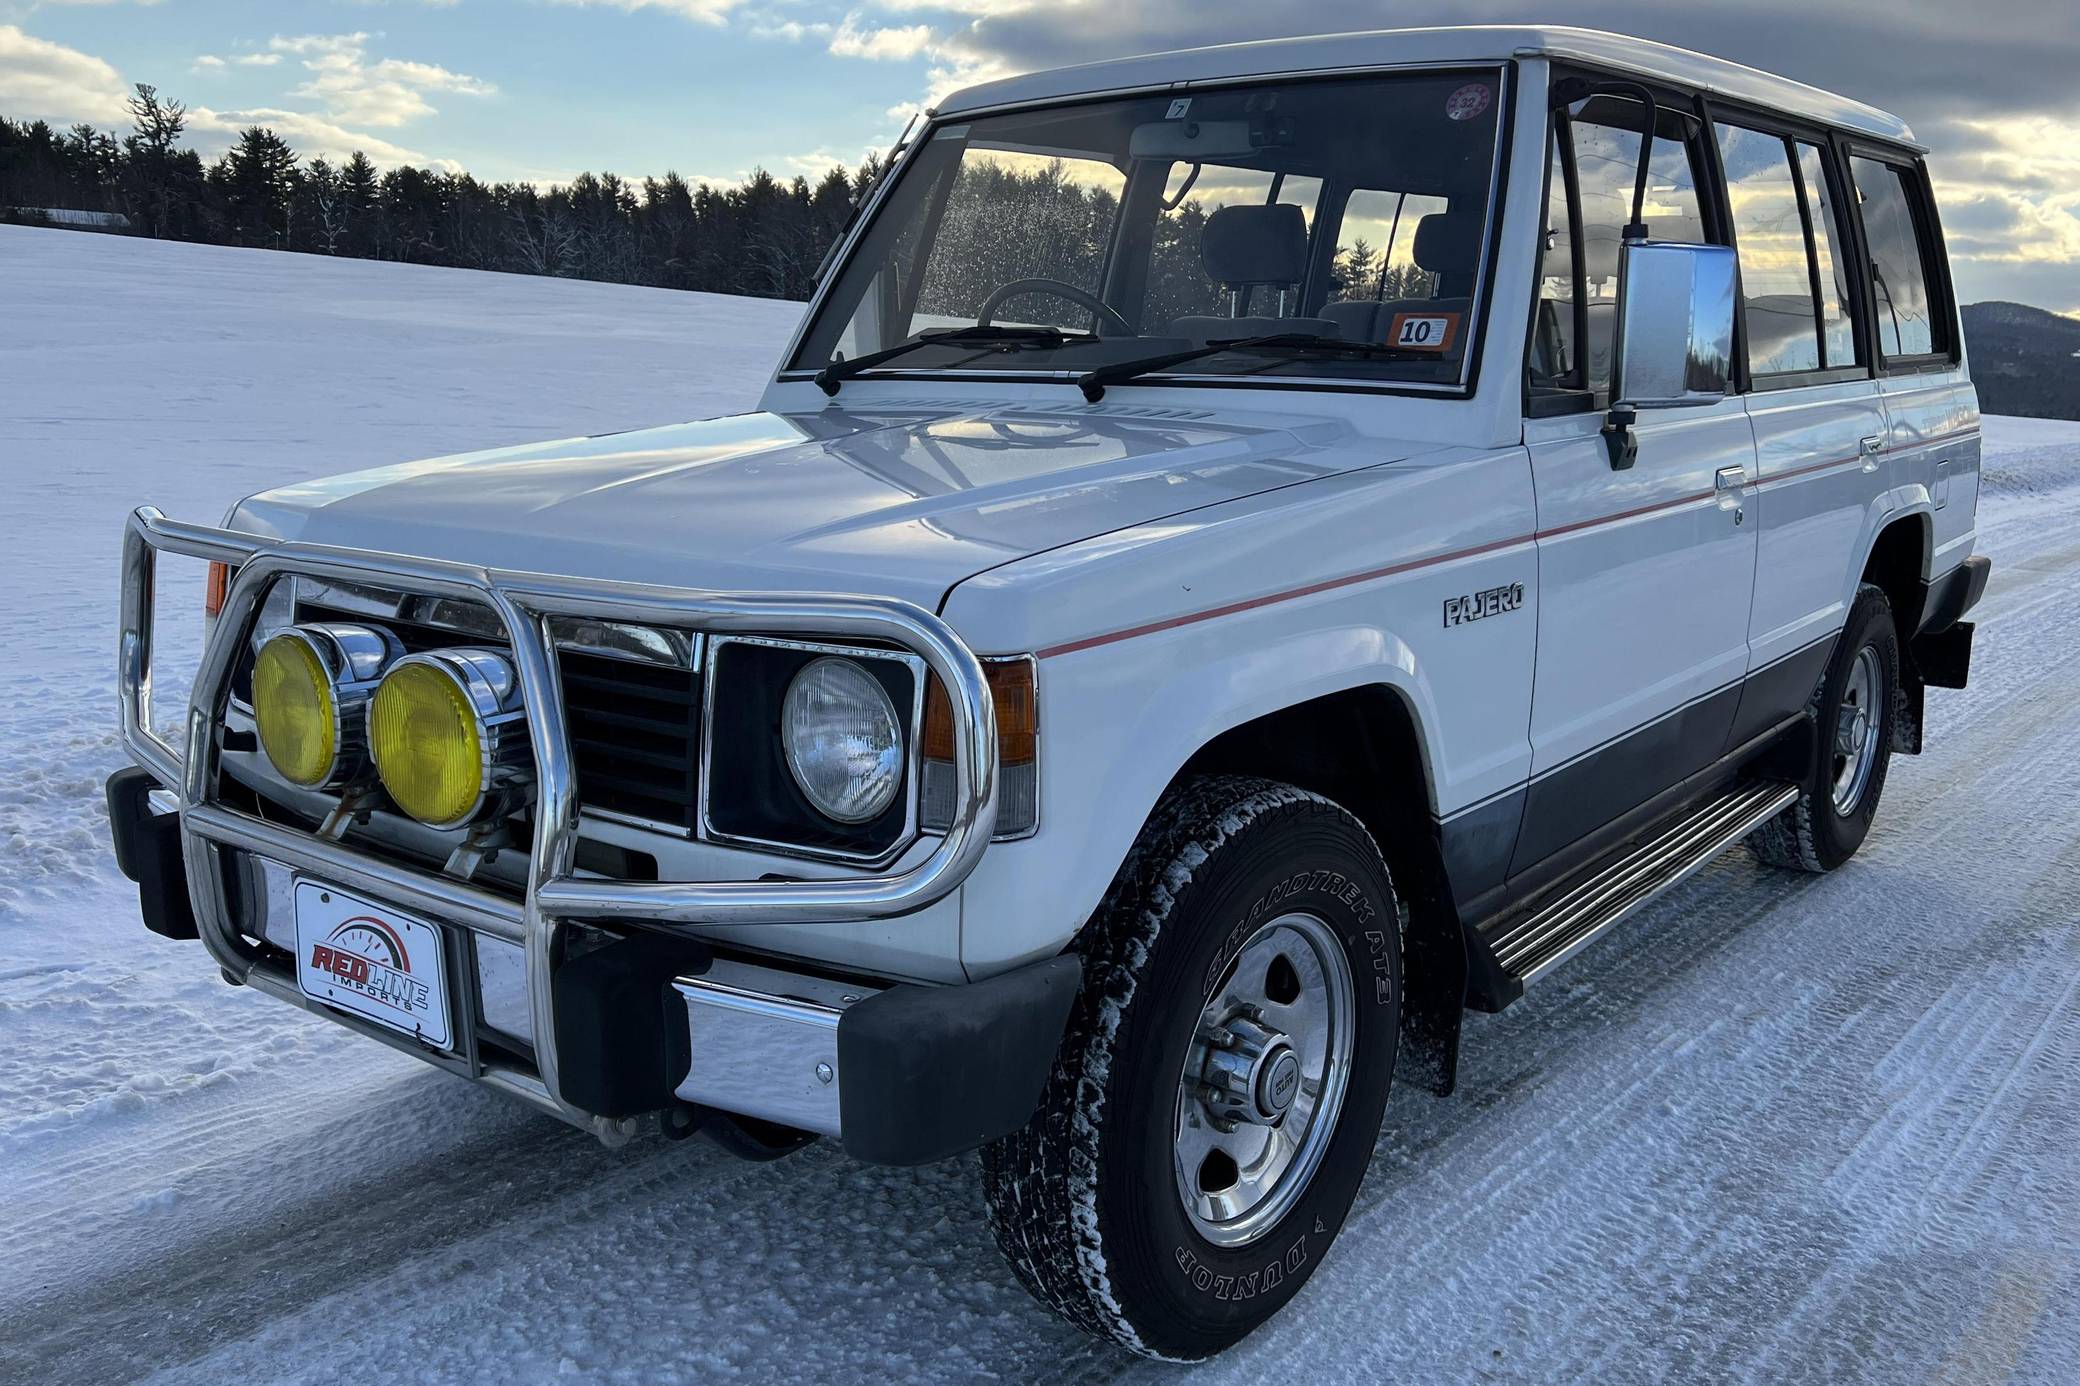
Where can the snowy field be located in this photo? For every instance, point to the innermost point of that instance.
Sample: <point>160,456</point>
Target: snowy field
<point>1778,1128</point>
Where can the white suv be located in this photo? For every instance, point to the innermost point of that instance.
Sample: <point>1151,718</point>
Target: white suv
<point>1253,552</point>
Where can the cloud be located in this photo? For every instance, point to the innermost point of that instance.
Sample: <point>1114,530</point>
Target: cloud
<point>311,136</point>
<point>819,161</point>
<point>1990,88</point>
<point>1924,55</point>
<point>881,45</point>
<point>41,80</point>
<point>788,30</point>
<point>211,63</point>
<point>386,93</point>
<point>703,11</point>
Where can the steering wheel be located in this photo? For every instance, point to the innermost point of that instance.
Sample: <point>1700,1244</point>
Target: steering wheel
<point>1108,317</point>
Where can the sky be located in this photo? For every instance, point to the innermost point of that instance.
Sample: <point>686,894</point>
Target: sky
<point>541,90</point>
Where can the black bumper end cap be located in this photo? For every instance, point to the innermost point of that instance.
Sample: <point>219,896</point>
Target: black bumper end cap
<point>933,1072</point>
<point>148,851</point>
<point>621,1040</point>
<point>1955,593</point>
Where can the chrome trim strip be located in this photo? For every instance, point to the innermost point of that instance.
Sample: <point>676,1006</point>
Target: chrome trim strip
<point>761,1055</point>
<point>525,604</point>
<point>1545,940</point>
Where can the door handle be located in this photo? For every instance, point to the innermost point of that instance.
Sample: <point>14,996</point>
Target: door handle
<point>1731,484</point>
<point>1870,448</point>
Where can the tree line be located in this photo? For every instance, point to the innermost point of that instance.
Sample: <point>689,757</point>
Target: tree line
<point>763,237</point>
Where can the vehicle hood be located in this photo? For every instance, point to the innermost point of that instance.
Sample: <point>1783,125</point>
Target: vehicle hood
<point>900,504</point>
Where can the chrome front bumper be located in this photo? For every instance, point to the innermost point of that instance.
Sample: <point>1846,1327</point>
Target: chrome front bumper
<point>533,926</point>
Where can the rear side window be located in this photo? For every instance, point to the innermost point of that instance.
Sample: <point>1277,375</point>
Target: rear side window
<point>1901,256</point>
<point>1837,331</point>
<point>1777,280</point>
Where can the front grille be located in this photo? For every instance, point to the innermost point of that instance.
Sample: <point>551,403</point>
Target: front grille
<point>634,732</point>
<point>634,726</point>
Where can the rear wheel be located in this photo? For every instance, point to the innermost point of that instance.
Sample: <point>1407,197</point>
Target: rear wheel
<point>1854,709</point>
<point>1221,1086</point>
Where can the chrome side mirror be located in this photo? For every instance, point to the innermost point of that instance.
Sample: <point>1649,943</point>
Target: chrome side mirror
<point>1674,333</point>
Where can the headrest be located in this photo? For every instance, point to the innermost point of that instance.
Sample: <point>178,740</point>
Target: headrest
<point>1255,244</point>
<point>1447,242</point>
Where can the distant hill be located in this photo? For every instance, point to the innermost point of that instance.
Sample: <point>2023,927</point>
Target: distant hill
<point>2024,360</point>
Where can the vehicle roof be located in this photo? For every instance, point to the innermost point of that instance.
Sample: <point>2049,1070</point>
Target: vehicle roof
<point>1476,43</point>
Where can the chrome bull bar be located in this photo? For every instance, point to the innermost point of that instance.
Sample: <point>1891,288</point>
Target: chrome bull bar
<point>524,603</point>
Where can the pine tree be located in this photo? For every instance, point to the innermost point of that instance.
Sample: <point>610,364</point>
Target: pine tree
<point>357,193</point>
<point>258,178</point>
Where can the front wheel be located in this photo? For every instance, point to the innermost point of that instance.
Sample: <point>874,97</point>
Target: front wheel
<point>1854,710</point>
<point>1220,1089</point>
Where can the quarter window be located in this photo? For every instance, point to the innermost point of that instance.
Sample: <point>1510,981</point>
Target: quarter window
<point>1900,257</point>
<point>1762,191</point>
<point>1552,363</point>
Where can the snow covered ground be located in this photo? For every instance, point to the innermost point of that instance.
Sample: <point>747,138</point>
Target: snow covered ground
<point>1778,1128</point>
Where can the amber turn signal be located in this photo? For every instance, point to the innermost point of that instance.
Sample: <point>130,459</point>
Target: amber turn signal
<point>1018,713</point>
<point>216,585</point>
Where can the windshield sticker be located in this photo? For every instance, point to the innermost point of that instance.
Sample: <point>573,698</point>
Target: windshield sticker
<point>1469,101</point>
<point>1423,331</point>
<point>1179,108</point>
<point>950,132</point>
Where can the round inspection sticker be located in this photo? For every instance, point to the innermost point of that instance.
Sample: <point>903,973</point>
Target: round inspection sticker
<point>1469,101</point>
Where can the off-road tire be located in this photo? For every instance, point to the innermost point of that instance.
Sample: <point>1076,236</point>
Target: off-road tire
<point>1083,1200</point>
<point>1811,835</point>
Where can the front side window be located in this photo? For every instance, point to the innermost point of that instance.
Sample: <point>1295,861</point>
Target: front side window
<point>1586,225</point>
<point>1899,259</point>
<point>1349,216</point>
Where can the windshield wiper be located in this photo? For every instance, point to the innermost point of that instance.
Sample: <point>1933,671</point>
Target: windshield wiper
<point>989,336</point>
<point>1093,383</point>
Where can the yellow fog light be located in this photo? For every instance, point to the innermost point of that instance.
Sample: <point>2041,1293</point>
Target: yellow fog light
<point>294,707</point>
<point>445,733</point>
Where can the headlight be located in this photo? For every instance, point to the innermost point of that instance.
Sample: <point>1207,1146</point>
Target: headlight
<point>844,745</point>
<point>293,706</point>
<point>309,686</point>
<point>446,734</point>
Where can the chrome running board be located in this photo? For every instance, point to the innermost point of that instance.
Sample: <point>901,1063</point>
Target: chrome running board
<point>1532,945</point>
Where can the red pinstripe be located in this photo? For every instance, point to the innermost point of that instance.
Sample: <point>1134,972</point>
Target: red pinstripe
<point>1090,642</point>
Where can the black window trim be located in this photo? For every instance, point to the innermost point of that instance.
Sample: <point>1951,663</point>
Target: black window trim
<point>1555,401</point>
<point>1928,236</point>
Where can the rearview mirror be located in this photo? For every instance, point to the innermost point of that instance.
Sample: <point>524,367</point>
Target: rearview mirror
<point>1193,141</point>
<point>1675,332</point>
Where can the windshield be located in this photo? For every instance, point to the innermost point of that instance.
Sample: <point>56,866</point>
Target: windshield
<point>1349,209</point>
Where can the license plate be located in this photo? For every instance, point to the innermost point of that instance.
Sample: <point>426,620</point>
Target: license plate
<point>372,961</point>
